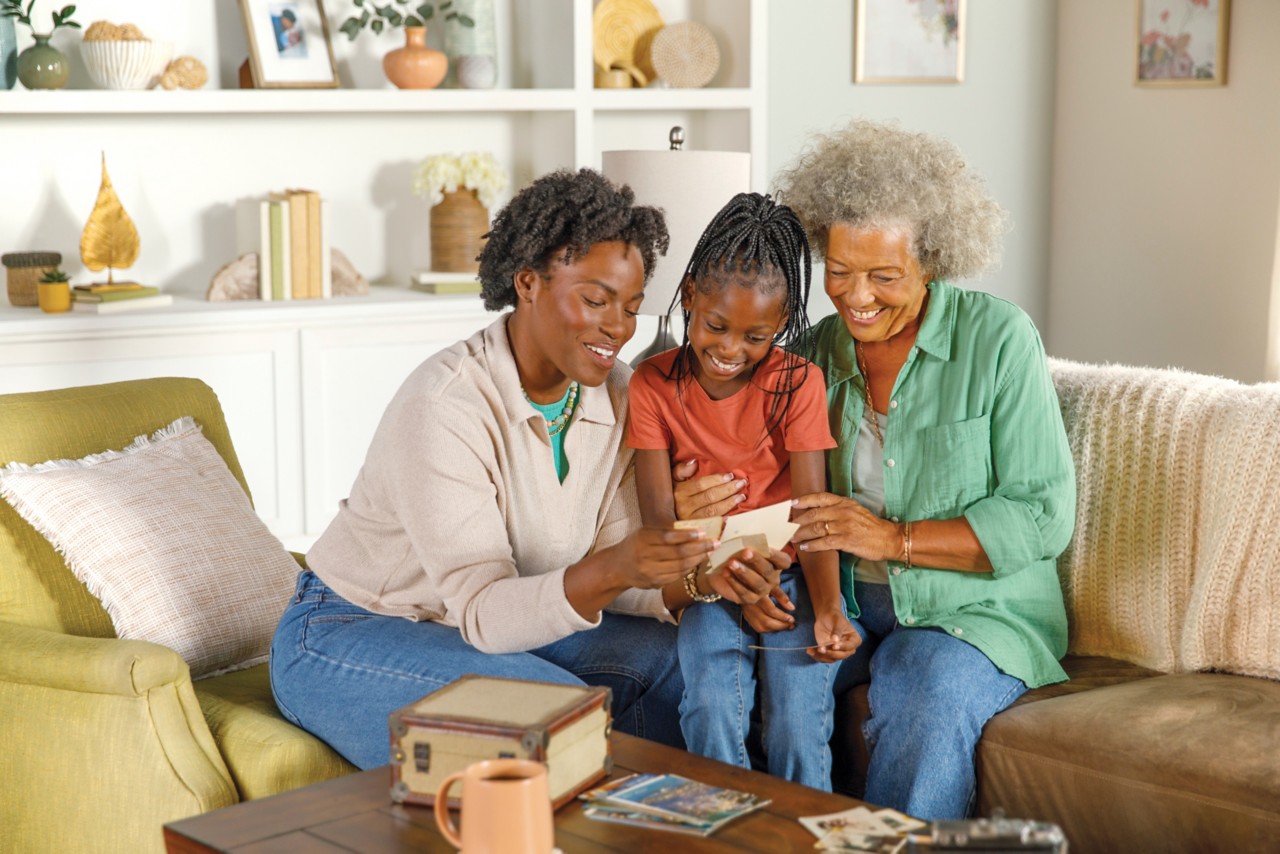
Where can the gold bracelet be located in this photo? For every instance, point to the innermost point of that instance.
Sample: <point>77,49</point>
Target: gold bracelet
<point>691,587</point>
<point>906,545</point>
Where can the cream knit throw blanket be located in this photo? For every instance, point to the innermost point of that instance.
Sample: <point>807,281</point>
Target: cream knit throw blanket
<point>1175,563</point>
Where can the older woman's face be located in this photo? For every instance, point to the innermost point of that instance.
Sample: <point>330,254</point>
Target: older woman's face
<point>874,280</point>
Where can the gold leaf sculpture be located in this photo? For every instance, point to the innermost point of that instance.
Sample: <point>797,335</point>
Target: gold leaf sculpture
<point>110,239</point>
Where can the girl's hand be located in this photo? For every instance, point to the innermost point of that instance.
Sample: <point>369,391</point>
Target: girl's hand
<point>749,576</point>
<point>706,496</point>
<point>654,557</point>
<point>769,613</point>
<point>833,522</point>
<point>837,638</point>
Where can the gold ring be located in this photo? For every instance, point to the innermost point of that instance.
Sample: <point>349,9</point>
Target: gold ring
<point>825,529</point>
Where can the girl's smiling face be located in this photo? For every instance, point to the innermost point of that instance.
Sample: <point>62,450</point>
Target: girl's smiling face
<point>731,327</point>
<point>873,278</point>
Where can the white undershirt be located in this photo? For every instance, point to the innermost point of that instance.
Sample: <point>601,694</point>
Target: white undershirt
<point>868,490</point>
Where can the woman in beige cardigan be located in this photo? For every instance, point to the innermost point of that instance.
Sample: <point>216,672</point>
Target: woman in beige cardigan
<point>493,527</point>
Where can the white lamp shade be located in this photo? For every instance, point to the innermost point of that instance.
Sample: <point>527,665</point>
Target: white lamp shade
<point>691,187</point>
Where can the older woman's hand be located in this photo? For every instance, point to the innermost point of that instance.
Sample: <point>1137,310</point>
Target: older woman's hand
<point>749,576</point>
<point>706,496</point>
<point>832,522</point>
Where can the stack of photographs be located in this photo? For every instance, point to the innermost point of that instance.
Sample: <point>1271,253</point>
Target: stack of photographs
<point>668,802</point>
<point>861,829</point>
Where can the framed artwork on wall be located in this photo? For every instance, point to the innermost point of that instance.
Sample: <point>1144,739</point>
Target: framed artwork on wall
<point>1182,42</point>
<point>908,41</point>
<point>289,44</point>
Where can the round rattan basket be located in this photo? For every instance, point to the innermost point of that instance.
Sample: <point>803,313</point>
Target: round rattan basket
<point>23,271</point>
<point>457,225</point>
<point>686,55</point>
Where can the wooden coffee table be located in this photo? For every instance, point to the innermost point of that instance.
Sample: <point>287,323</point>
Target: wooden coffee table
<point>355,813</point>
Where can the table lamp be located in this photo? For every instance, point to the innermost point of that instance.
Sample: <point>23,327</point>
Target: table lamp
<point>691,187</point>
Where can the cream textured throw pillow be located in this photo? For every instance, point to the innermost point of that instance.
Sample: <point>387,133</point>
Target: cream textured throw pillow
<point>164,536</point>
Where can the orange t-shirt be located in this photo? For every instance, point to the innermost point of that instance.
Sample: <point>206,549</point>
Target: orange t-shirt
<point>726,435</point>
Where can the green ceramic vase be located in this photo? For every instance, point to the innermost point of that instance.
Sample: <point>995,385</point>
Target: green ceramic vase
<point>43,66</point>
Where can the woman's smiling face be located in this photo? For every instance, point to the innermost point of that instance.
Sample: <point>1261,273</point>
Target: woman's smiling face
<point>580,314</point>
<point>874,280</point>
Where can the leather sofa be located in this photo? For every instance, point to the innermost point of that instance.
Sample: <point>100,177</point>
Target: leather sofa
<point>1167,736</point>
<point>103,740</point>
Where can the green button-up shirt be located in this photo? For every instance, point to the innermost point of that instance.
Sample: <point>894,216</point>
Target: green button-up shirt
<point>975,431</point>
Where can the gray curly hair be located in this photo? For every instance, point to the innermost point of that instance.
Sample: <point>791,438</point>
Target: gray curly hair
<point>880,176</point>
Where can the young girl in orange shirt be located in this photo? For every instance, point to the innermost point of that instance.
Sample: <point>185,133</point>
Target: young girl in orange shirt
<point>732,398</point>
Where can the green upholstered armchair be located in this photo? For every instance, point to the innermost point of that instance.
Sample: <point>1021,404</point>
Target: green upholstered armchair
<point>103,740</point>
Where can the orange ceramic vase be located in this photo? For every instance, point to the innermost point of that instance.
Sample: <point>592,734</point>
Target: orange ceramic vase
<point>415,66</point>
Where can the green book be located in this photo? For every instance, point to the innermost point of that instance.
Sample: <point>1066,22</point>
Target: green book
<point>472,287</point>
<point>116,296</point>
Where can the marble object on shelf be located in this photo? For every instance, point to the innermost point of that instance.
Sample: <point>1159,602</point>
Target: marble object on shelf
<point>237,279</point>
<point>347,280</point>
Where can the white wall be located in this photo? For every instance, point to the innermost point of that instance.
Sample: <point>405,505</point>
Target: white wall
<point>1164,200</point>
<point>1001,116</point>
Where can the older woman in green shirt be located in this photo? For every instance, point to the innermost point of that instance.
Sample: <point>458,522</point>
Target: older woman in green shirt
<point>952,490</point>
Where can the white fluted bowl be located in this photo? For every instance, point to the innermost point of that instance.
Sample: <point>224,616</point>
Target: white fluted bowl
<point>126,64</point>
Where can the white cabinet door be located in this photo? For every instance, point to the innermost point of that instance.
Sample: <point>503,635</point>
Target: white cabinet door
<point>253,372</point>
<point>349,375</point>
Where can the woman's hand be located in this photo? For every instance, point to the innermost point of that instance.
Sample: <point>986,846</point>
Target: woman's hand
<point>749,576</point>
<point>706,496</point>
<point>836,637</point>
<point>654,557</point>
<point>831,522</point>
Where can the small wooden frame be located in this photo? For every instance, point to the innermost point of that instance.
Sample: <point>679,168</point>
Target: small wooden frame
<point>909,41</point>
<point>289,46</point>
<point>1182,43</point>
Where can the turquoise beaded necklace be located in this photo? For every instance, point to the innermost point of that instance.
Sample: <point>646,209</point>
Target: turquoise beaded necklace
<point>560,422</point>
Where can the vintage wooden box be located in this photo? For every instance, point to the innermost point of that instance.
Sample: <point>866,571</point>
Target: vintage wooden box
<point>484,717</point>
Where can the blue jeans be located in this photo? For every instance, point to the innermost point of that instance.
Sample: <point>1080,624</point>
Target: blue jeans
<point>338,670</point>
<point>796,696</point>
<point>930,696</point>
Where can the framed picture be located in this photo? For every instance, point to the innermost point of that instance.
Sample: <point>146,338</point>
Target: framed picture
<point>1182,42</point>
<point>908,41</point>
<point>288,44</point>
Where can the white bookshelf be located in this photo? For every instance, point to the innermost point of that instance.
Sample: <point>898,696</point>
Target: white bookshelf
<point>304,382</point>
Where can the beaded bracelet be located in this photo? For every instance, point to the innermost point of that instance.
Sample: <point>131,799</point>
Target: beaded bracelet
<point>691,587</point>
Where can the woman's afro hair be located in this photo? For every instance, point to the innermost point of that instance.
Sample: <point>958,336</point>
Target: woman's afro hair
<point>557,219</point>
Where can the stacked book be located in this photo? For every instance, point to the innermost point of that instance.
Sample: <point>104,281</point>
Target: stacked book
<point>118,296</point>
<point>289,231</point>
<point>668,802</point>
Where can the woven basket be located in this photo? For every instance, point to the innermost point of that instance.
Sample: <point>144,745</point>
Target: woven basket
<point>457,225</point>
<point>23,272</point>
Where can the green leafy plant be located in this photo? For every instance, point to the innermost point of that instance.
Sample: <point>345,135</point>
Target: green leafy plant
<point>13,9</point>
<point>55,275</point>
<point>378,18</point>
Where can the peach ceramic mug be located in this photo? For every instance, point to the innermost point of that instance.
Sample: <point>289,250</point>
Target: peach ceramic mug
<point>506,808</point>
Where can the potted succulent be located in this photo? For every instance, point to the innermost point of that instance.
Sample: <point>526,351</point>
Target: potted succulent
<point>41,66</point>
<point>461,188</point>
<point>414,66</point>
<point>55,291</point>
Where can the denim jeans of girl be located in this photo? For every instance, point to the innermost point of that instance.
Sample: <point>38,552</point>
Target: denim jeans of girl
<point>720,675</point>
<point>338,670</point>
<point>930,696</point>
